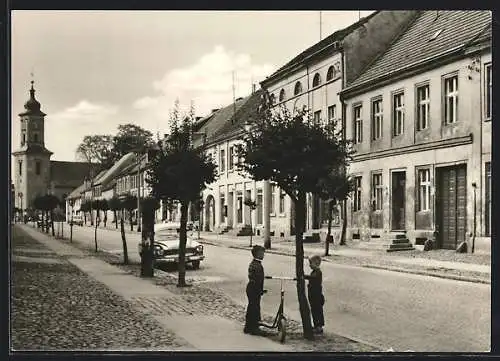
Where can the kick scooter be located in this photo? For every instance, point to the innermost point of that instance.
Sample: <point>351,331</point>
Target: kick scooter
<point>280,321</point>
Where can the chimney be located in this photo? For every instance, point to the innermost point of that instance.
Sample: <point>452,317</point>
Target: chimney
<point>238,99</point>
<point>214,110</point>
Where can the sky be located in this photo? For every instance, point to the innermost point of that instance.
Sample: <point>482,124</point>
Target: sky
<point>94,70</point>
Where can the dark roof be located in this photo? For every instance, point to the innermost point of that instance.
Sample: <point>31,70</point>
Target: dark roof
<point>329,40</point>
<point>33,149</point>
<point>76,193</point>
<point>109,185</point>
<point>115,170</point>
<point>413,46</point>
<point>214,123</point>
<point>70,174</point>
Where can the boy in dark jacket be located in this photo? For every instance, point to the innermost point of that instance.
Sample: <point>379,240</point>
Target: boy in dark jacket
<point>315,293</point>
<point>255,289</point>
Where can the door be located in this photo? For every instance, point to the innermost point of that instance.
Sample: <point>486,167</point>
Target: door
<point>398,200</point>
<point>451,206</point>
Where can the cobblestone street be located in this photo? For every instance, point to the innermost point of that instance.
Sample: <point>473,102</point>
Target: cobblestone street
<point>57,307</point>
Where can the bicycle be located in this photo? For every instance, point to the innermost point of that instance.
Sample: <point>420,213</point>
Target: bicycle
<point>280,321</point>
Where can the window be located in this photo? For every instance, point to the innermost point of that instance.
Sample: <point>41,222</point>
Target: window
<point>436,34</point>
<point>332,113</point>
<point>423,105</point>
<point>260,204</point>
<point>316,80</point>
<point>398,114</point>
<point>282,95</point>
<point>317,117</point>
<point>282,201</point>
<point>329,74</point>
<point>20,163</point>
<point>487,92</point>
<point>357,194</point>
<point>231,158</point>
<point>450,99</point>
<point>424,189</point>
<point>222,207</point>
<point>377,117</point>
<point>239,201</point>
<point>273,198</point>
<point>358,125</point>
<point>377,192</point>
<point>487,190</point>
<point>24,138</point>
<point>222,164</point>
<point>298,88</point>
<point>38,167</point>
<point>35,137</point>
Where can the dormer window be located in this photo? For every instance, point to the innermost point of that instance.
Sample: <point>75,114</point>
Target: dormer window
<point>298,88</point>
<point>329,74</point>
<point>316,80</point>
<point>436,34</point>
<point>282,95</point>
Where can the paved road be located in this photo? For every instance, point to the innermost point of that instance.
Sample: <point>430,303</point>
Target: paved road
<point>384,308</point>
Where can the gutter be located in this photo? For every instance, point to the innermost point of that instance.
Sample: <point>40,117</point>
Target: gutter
<point>390,76</point>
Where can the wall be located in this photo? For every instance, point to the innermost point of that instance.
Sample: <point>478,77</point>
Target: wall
<point>414,147</point>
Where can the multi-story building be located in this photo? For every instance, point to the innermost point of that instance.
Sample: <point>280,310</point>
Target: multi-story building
<point>314,78</point>
<point>420,118</point>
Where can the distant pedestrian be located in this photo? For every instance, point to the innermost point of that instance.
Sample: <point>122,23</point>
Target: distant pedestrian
<point>255,290</point>
<point>315,293</point>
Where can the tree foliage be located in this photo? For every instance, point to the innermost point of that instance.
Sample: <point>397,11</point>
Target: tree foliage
<point>301,156</point>
<point>179,172</point>
<point>96,149</point>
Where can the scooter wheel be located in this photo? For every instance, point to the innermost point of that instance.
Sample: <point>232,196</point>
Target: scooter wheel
<point>282,330</point>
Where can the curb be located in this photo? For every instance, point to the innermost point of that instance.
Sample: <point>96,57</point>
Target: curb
<point>386,268</point>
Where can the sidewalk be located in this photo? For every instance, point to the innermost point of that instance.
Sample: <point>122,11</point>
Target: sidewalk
<point>416,262</point>
<point>410,263</point>
<point>204,332</point>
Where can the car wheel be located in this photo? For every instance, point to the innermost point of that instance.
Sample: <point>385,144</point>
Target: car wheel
<point>196,264</point>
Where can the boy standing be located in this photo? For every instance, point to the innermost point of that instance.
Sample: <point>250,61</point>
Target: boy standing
<point>315,294</point>
<point>255,289</point>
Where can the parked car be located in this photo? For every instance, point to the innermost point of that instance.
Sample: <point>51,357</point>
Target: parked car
<point>166,246</point>
<point>77,219</point>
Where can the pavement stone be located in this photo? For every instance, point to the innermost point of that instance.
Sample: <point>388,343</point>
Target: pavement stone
<point>57,307</point>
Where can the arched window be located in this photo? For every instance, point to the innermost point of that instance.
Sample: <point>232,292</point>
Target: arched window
<point>316,80</point>
<point>282,95</point>
<point>298,88</point>
<point>329,74</point>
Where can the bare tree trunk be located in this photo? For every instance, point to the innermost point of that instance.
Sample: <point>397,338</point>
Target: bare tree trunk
<point>329,233</point>
<point>305,312</point>
<point>71,228</point>
<point>147,257</point>
<point>182,246</point>
<point>95,235</point>
<point>52,222</point>
<point>251,230</point>
<point>124,240</point>
<point>116,219</point>
<point>131,225</point>
<point>344,224</point>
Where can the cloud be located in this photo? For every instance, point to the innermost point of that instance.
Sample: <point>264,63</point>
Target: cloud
<point>207,82</point>
<point>65,130</point>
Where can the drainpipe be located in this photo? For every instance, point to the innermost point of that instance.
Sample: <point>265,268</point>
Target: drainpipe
<point>474,185</point>
<point>344,122</point>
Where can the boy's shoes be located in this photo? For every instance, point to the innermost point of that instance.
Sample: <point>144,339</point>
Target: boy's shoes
<point>255,332</point>
<point>318,330</point>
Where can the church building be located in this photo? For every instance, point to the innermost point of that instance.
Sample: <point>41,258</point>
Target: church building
<point>34,173</point>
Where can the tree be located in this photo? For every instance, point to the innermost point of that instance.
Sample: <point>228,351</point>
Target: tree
<point>115,205</point>
<point>252,205</point>
<point>130,203</point>
<point>97,149</point>
<point>336,187</point>
<point>130,138</point>
<point>51,203</point>
<point>39,204</point>
<point>179,172</point>
<point>104,206</point>
<point>96,205</point>
<point>148,207</point>
<point>72,204</point>
<point>297,154</point>
<point>85,207</point>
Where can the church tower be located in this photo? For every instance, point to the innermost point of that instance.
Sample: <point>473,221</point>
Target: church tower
<point>32,160</point>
